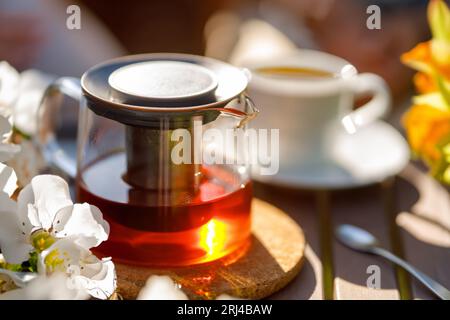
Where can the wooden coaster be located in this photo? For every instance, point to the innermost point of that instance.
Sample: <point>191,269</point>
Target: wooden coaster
<point>273,257</point>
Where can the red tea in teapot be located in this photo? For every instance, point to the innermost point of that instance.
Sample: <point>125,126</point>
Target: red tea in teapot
<point>199,226</point>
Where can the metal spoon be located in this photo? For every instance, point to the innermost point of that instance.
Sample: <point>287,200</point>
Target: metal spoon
<point>361,240</point>
<point>20,279</point>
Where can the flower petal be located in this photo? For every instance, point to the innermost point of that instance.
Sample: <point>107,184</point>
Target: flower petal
<point>26,212</point>
<point>83,221</point>
<point>49,194</point>
<point>61,255</point>
<point>439,20</point>
<point>420,58</point>
<point>161,288</point>
<point>441,52</point>
<point>32,86</point>
<point>13,243</point>
<point>16,251</point>
<point>426,126</point>
<point>54,287</point>
<point>86,271</point>
<point>433,100</point>
<point>27,163</point>
<point>9,86</point>
<point>8,180</point>
<point>99,278</point>
<point>8,151</point>
<point>5,127</point>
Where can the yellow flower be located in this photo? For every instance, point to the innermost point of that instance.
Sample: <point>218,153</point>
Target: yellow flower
<point>426,127</point>
<point>427,122</point>
<point>432,58</point>
<point>441,169</point>
<point>424,83</point>
<point>439,19</point>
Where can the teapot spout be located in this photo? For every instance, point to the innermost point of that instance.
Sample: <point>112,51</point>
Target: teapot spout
<point>249,112</point>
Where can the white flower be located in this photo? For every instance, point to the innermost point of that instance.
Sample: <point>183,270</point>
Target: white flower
<point>7,150</point>
<point>20,95</point>
<point>44,220</point>
<point>27,163</point>
<point>12,244</point>
<point>44,214</point>
<point>9,88</point>
<point>31,88</point>
<point>98,277</point>
<point>161,288</point>
<point>8,180</point>
<point>54,287</point>
<point>85,270</point>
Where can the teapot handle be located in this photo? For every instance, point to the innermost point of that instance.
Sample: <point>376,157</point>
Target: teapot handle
<point>46,137</point>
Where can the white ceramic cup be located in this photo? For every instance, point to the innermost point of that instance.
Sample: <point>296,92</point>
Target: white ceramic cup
<point>310,112</point>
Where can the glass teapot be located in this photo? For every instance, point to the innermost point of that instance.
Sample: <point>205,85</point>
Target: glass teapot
<point>141,147</point>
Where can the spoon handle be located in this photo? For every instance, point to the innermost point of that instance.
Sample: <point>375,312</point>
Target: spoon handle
<point>431,284</point>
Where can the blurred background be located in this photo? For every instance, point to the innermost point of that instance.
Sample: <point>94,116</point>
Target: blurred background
<point>33,34</point>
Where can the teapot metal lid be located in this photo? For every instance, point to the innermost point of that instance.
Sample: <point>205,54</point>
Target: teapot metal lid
<point>143,89</point>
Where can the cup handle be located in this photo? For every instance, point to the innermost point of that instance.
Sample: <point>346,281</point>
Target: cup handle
<point>46,137</point>
<point>376,108</point>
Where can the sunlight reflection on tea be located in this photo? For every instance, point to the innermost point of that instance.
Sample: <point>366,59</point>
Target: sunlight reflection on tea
<point>212,237</point>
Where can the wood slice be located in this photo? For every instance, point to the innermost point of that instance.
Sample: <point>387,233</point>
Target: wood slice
<point>271,259</point>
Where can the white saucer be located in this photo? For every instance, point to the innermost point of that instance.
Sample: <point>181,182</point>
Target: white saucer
<point>369,156</point>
